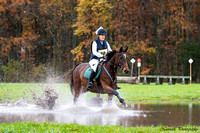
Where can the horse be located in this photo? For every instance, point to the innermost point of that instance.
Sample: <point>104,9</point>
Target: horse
<point>107,81</point>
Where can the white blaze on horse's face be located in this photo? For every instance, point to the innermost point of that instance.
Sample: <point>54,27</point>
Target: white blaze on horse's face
<point>124,55</point>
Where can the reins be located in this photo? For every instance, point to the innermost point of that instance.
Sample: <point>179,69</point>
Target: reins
<point>109,75</point>
<point>115,66</point>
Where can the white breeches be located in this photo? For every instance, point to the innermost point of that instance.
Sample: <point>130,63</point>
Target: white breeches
<point>93,64</point>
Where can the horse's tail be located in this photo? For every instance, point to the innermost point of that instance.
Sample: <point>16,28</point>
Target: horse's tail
<point>70,73</point>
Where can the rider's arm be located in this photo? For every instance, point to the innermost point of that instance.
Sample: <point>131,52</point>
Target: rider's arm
<point>94,50</point>
<point>109,49</point>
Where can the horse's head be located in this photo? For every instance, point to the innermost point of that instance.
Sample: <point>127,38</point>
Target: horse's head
<point>119,59</point>
<point>122,60</point>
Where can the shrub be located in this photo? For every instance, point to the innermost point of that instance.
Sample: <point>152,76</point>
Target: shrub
<point>13,72</point>
<point>39,73</point>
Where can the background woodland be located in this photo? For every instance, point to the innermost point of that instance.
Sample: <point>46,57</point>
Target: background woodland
<point>40,38</point>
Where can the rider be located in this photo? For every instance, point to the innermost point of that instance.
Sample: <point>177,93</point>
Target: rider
<point>100,47</point>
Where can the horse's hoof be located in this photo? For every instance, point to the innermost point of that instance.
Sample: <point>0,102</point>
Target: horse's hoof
<point>124,105</point>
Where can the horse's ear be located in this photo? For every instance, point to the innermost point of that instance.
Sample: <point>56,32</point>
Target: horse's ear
<point>121,50</point>
<point>126,49</point>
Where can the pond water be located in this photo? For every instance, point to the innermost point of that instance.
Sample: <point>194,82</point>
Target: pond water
<point>134,115</point>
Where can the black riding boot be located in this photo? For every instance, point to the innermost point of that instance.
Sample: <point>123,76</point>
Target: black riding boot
<point>89,85</point>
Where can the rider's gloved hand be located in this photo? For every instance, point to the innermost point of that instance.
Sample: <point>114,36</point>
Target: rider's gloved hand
<point>101,59</point>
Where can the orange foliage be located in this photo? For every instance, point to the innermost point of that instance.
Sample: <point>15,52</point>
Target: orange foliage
<point>146,71</point>
<point>91,15</point>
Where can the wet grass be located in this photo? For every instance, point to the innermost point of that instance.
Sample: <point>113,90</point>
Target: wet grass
<point>131,93</point>
<point>33,127</point>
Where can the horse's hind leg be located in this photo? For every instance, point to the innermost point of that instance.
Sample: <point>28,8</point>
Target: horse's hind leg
<point>110,96</point>
<point>77,93</point>
<point>75,99</point>
<point>76,96</point>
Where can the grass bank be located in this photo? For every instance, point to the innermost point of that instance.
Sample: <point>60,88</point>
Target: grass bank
<point>131,93</point>
<point>32,127</point>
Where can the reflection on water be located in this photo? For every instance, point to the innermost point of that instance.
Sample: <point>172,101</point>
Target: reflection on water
<point>138,114</point>
<point>171,115</point>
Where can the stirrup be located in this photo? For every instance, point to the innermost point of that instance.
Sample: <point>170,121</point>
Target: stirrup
<point>89,85</point>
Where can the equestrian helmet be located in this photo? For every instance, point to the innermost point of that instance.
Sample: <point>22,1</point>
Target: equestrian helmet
<point>101,32</point>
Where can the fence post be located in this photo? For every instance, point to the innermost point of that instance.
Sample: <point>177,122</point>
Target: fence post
<point>183,81</point>
<point>157,81</point>
<point>145,80</point>
<point>170,81</point>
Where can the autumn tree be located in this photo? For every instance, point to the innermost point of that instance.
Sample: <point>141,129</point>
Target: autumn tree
<point>133,27</point>
<point>35,32</point>
<point>56,34</point>
<point>91,15</point>
<point>155,31</point>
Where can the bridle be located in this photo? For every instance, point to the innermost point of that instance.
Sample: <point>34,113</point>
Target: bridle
<point>118,63</point>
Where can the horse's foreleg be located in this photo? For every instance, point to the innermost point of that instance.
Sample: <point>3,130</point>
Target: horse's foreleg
<point>114,92</point>
<point>110,96</point>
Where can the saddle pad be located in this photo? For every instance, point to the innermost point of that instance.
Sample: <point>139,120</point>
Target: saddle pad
<point>87,73</point>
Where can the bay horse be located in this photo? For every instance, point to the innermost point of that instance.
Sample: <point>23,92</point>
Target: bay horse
<point>107,77</point>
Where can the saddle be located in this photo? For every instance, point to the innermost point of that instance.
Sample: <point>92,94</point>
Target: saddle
<point>88,71</point>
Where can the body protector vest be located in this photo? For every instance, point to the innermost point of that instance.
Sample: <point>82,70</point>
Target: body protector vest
<point>101,48</point>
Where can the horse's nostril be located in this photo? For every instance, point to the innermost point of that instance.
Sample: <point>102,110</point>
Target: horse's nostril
<point>125,71</point>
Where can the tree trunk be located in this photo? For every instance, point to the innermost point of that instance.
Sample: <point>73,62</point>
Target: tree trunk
<point>54,57</point>
<point>188,21</point>
<point>159,37</point>
<point>60,60</point>
<point>1,70</point>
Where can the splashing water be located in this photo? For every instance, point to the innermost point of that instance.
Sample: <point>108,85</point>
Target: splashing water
<point>51,107</point>
<point>48,100</point>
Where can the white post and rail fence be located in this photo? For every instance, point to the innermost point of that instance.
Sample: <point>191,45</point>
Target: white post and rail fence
<point>158,79</point>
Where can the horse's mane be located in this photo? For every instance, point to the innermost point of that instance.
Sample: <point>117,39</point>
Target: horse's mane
<point>110,54</point>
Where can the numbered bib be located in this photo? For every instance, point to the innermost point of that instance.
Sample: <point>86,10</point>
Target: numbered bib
<point>103,52</point>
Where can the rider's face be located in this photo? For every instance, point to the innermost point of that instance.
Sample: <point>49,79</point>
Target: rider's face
<point>102,37</point>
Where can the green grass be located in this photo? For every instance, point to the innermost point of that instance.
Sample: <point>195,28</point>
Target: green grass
<point>131,93</point>
<point>32,127</point>
<point>160,93</point>
<point>13,91</point>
